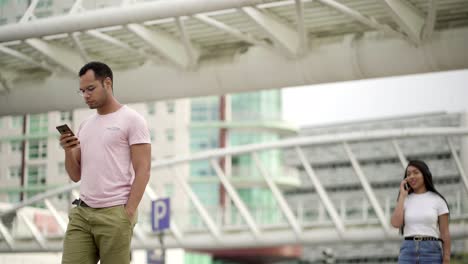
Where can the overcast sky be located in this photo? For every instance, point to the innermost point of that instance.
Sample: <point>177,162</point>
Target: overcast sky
<point>376,98</point>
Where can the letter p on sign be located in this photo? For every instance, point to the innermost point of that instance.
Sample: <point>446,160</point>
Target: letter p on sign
<point>160,214</point>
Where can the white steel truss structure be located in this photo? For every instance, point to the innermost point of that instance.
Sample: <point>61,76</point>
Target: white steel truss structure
<point>179,48</point>
<point>250,232</point>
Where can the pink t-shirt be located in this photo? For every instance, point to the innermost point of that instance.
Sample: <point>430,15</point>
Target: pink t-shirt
<point>106,167</point>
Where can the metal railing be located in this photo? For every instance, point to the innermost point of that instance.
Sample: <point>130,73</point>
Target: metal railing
<point>202,227</point>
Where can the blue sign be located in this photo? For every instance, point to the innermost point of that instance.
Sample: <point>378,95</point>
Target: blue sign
<point>160,214</point>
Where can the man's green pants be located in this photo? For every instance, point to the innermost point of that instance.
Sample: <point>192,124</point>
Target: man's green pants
<point>95,234</point>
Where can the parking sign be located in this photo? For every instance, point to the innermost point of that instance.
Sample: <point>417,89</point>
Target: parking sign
<point>160,214</point>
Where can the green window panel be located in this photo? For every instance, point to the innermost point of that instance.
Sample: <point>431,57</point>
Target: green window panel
<point>36,177</point>
<point>38,123</point>
<point>170,107</point>
<point>14,172</point>
<point>203,139</point>
<point>17,121</point>
<point>201,168</point>
<point>37,149</point>
<point>151,108</point>
<point>170,134</point>
<point>205,109</point>
<point>16,146</point>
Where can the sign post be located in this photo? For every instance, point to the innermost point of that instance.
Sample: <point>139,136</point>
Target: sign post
<point>160,221</point>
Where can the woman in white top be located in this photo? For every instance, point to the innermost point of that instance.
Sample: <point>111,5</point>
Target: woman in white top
<point>422,215</point>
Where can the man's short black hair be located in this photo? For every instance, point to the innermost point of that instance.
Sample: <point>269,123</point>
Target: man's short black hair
<point>100,69</point>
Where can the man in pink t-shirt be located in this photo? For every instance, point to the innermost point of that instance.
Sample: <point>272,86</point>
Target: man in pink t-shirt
<point>111,156</point>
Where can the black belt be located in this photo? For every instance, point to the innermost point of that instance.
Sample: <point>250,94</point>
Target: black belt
<point>79,202</point>
<point>423,238</point>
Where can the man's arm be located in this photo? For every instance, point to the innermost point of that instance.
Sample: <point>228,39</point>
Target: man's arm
<point>445,236</point>
<point>141,161</point>
<point>71,145</point>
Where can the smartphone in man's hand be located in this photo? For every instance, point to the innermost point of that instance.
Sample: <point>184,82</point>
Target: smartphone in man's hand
<point>64,129</point>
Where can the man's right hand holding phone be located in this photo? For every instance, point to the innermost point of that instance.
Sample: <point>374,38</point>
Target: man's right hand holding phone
<point>69,141</point>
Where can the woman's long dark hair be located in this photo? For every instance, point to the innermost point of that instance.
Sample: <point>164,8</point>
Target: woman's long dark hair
<point>427,175</point>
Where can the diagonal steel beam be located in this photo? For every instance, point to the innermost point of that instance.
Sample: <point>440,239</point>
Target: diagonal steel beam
<point>76,7</point>
<point>236,200</point>
<point>192,53</point>
<point>230,30</point>
<point>67,59</point>
<point>368,189</point>
<point>372,23</point>
<point>7,236</point>
<point>165,44</point>
<point>29,12</point>
<point>214,230</point>
<point>283,36</point>
<point>326,201</point>
<point>400,154</point>
<point>458,163</point>
<point>35,232</point>
<point>407,17</point>
<point>285,209</point>
<point>77,42</point>
<point>62,224</point>
<point>25,58</point>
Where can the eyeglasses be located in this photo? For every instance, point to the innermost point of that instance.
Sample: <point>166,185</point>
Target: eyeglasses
<point>87,90</point>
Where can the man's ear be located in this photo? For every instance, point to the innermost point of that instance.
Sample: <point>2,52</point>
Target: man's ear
<point>108,83</point>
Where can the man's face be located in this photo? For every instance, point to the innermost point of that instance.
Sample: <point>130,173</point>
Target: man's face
<point>95,91</point>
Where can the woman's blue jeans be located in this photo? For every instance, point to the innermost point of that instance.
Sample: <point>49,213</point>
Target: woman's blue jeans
<point>420,252</point>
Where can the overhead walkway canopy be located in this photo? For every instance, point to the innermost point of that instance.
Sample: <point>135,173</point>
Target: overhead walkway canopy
<point>179,48</point>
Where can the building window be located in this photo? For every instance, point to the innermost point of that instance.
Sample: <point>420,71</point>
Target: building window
<point>66,117</point>
<point>170,134</point>
<point>170,107</point>
<point>14,172</point>
<point>151,108</point>
<point>37,149</point>
<point>16,146</point>
<point>36,175</point>
<point>205,109</point>
<point>17,121</point>
<point>38,123</point>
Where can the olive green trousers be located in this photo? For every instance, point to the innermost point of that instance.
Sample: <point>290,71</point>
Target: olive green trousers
<point>95,234</point>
